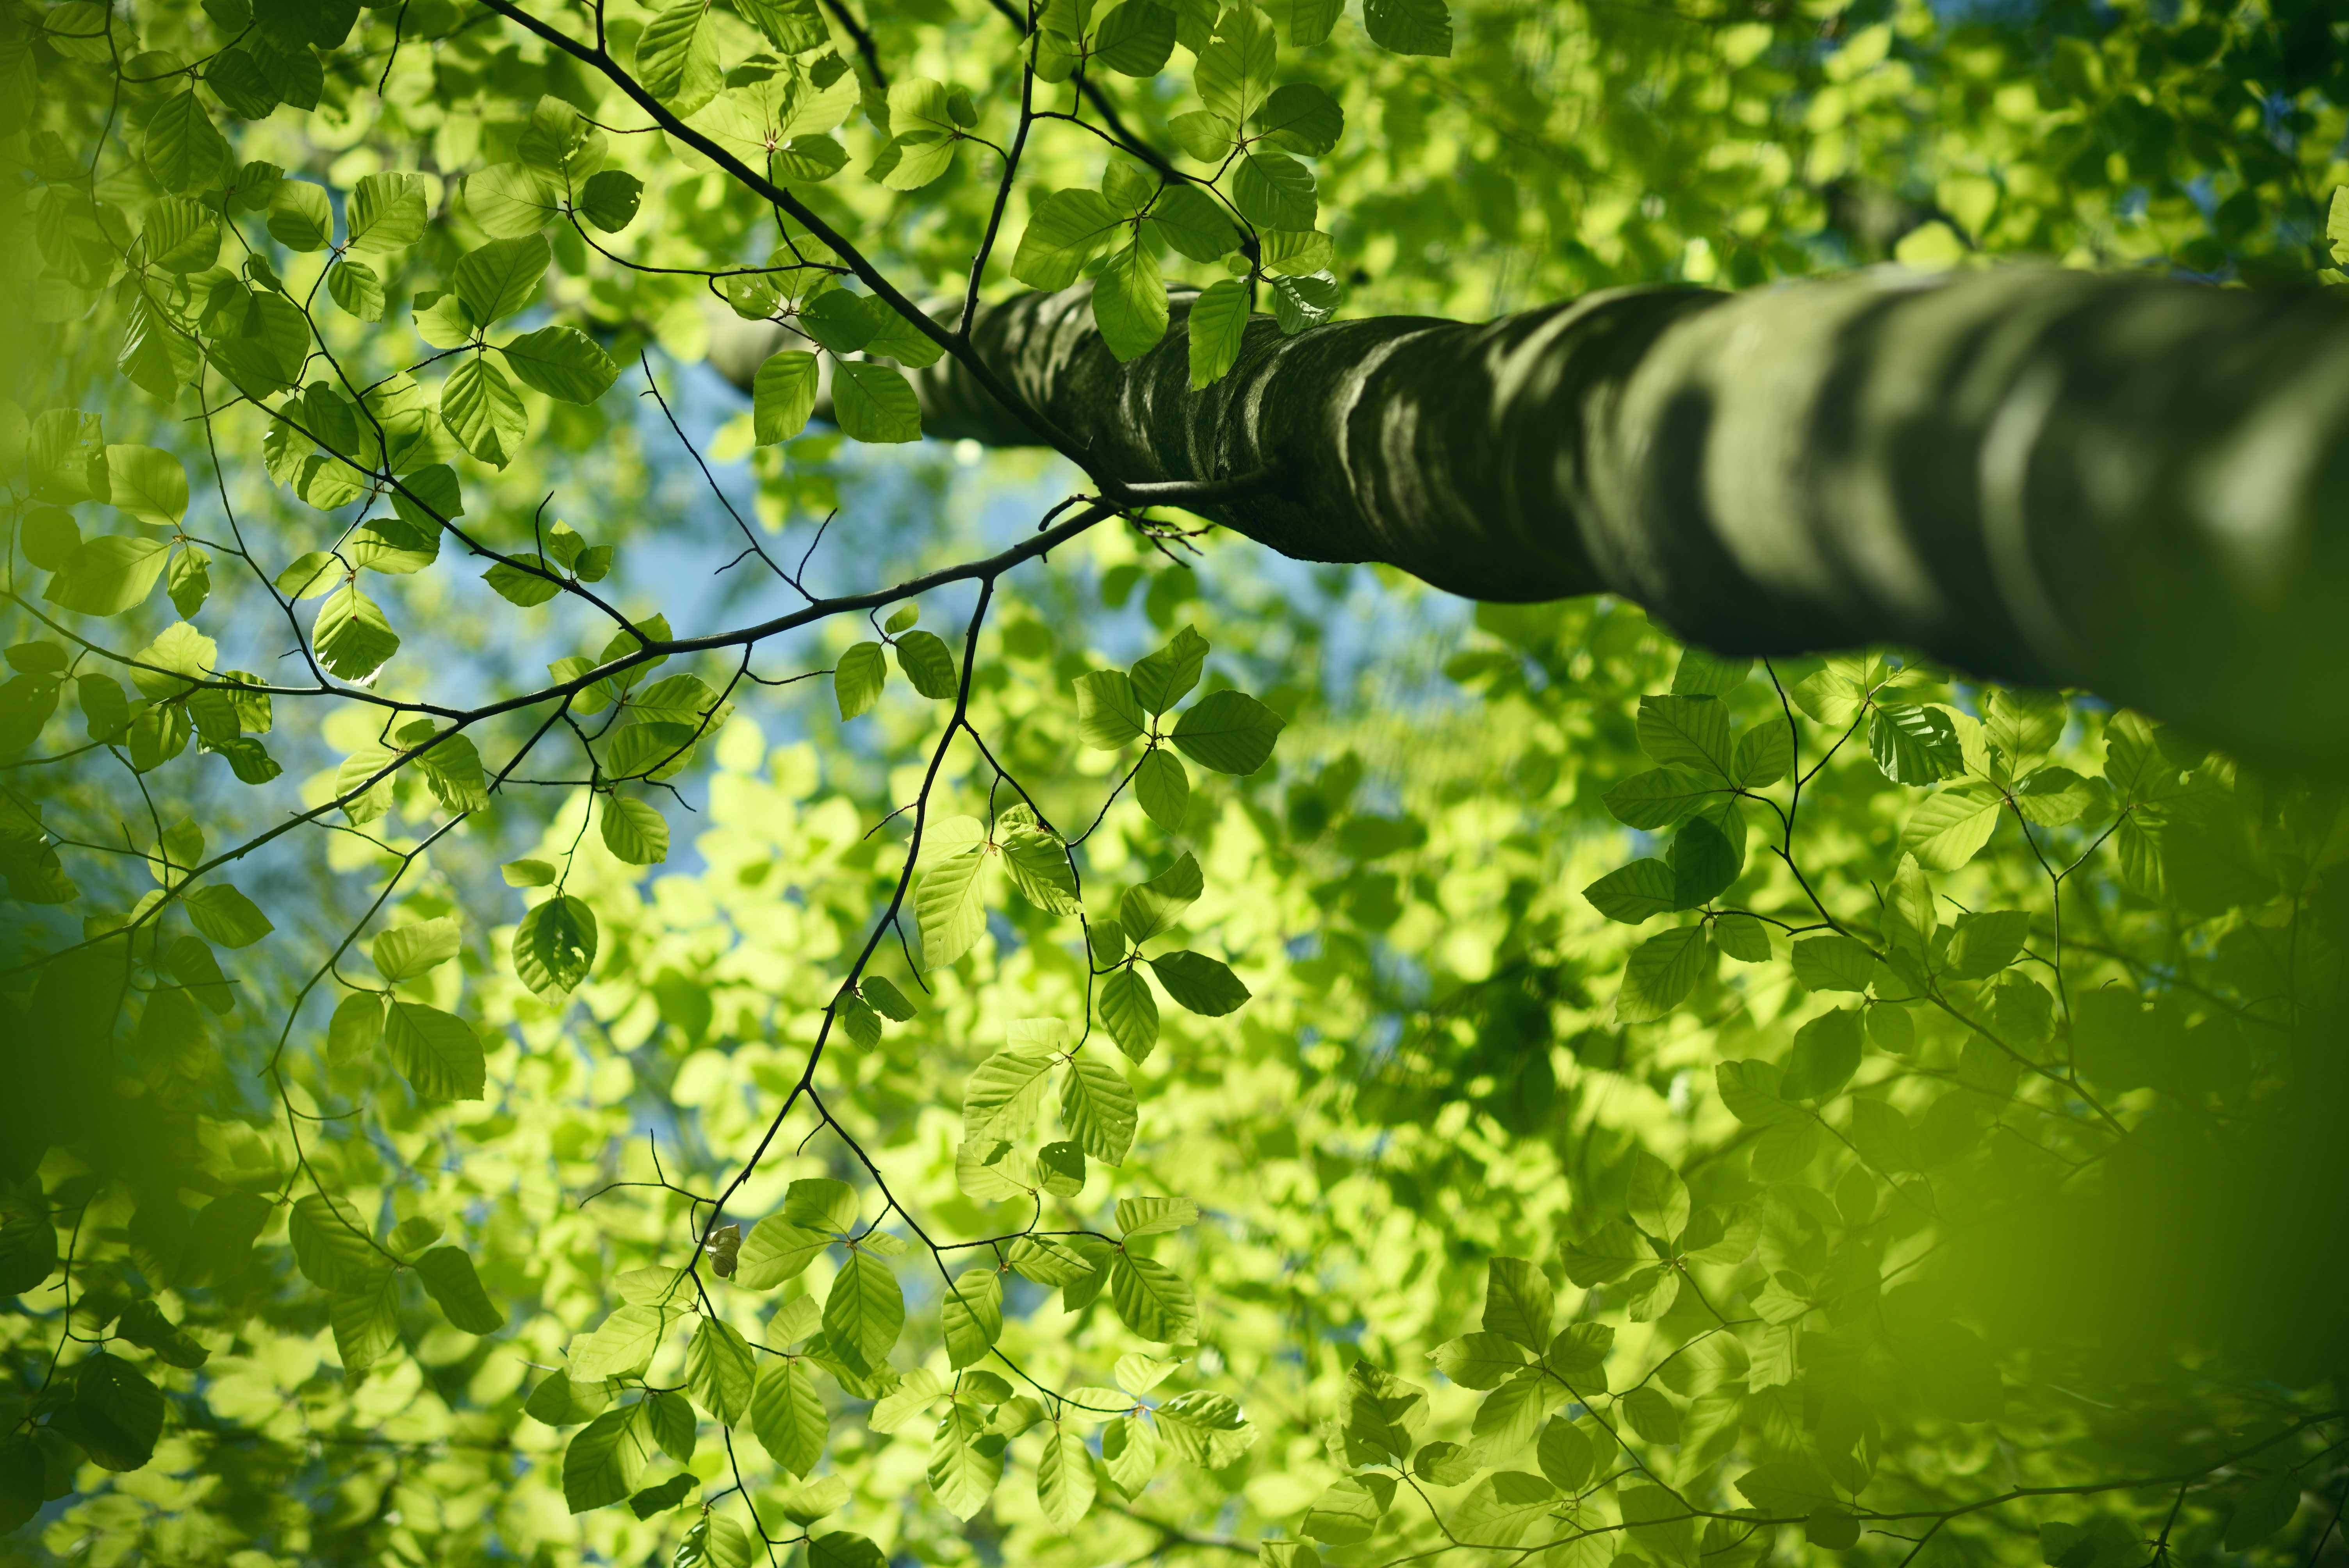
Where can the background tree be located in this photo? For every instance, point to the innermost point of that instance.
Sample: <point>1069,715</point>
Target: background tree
<point>1097,1047</point>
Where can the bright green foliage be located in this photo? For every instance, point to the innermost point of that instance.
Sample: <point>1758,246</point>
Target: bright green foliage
<point>1156,1063</point>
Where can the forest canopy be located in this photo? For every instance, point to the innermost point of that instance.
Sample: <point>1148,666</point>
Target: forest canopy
<point>793,781</point>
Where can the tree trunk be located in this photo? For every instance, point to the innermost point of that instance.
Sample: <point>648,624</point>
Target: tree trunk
<point>2136,487</point>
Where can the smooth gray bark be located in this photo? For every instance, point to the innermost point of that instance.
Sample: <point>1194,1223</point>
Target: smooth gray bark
<point>2136,487</point>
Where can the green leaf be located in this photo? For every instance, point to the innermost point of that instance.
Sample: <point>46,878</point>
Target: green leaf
<point>486,415</point>
<point>1750,1091</point>
<point>301,217</point>
<point>1151,1217</point>
<point>609,200</point>
<point>1190,221</point>
<point>1298,303</point>
<point>1741,936</point>
<point>1662,972</point>
<point>1832,1528</point>
<point>1064,1471</point>
<point>1151,1299</point>
<point>1690,731</point>
<point>385,212</point>
<point>1510,1415</point>
<point>1234,72</point>
<point>1129,302</point>
<point>149,484</point>
<point>511,201</point>
<point>841,322</point>
<point>1301,117</point>
<point>623,1346</point>
<point>844,1549</point>
<point>558,1401</point>
<point>1506,1507</point>
<point>660,1498</point>
<point>1703,674</point>
<point>963,1474</point>
<point>1833,962</point>
<point>1951,825</point>
<point>1703,864</point>
<point>1227,731</point>
<point>874,402</point>
<point>1480,1360</point>
<point>604,1460</point>
<point>2262,1511</point>
<point>1826,1053</point>
<point>865,1311</point>
<point>355,1029</point>
<point>1305,23</point>
<point>1162,788</point>
<point>1564,1456</point>
<point>973,1314</point>
<point>632,830</point>
<point>1129,1013</point>
<point>1097,1104</point>
<point>1164,678</point>
<point>1203,136</point>
<point>1038,864</point>
<point>720,1371</point>
<point>1218,322</point>
<point>1135,39</point>
<point>501,277</point>
<point>1150,907</point>
<point>351,637</point>
<point>1108,714</point>
<point>449,1280</point>
<point>1199,984</point>
<point>782,397</point>
<point>332,1248</point>
<point>950,908</point>
<point>1273,191</point>
<point>1519,1303</point>
<point>1766,754</point>
<point>929,665</point>
<point>777,1250</point>
<point>144,1324</point>
<point>677,57</point>
<point>1064,230</point>
<point>1787,1486</point>
<point>1346,1512</point>
<point>115,1415</point>
<point>183,149</point>
<point>857,680</point>
<point>438,1053</point>
<point>1635,892</point>
<point>821,1204</point>
<point>1984,944</point>
<point>1914,743</point>
<point>562,362</point>
<point>810,1500</point>
<point>1657,1202</point>
<point>404,951</point>
<point>1658,798</point>
<point>884,997</point>
<point>189,580</point>
<point>1297,254</point>
<point>555,946</point>
<point>108,575</point>
<point>2052,796</point>
<point>226,916</point>
<point>1408,27</point>
<point>185,236</point>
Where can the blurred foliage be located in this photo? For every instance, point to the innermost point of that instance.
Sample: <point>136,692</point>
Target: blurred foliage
<point>1812,1109</point>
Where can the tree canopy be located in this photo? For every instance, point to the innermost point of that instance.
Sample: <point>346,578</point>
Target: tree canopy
<point>748,986</point>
